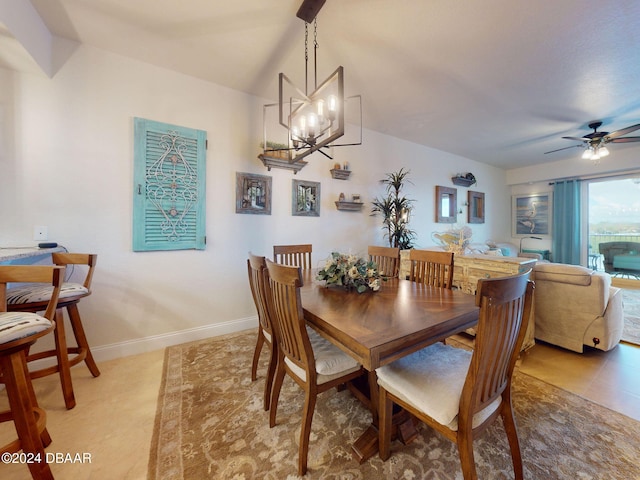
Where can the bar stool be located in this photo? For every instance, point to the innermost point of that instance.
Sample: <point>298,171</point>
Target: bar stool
<point>34,298</point>
<point>18,331</point>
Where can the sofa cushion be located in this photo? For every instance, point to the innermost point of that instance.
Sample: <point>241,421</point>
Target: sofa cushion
<point>507,249</point>
<point>563,273</point>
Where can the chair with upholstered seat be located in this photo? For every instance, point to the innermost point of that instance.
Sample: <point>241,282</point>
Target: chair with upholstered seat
<point>293,255</point>
<point>315,364</point>
<point>459,393</point>
<point>431,267</point>
<point>387,259</point>
<point>18,332</point>
<point>34,298</point>
<point>256,266</point>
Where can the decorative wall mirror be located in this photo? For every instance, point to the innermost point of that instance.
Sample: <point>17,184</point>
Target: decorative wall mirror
<point>476,207</point>
<point>446,204</point>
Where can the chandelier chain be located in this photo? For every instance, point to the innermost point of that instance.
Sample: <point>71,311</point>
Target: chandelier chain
<point>306,58</point>
<point>315,53</point>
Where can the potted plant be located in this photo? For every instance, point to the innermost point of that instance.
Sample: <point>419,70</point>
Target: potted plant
<point>395,209</point>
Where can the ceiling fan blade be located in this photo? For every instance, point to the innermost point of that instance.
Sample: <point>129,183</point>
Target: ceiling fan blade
<point>576,139</point>
<point>565,148</point>
<point>625,140</point>
<point>624,131</point>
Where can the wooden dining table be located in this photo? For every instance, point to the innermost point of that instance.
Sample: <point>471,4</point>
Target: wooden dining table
<point>376,328</point>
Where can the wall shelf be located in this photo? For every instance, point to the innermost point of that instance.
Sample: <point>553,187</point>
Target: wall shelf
<point>350,206</point>
<point>279,162</point>
<point>340,174</point>
<point>463,181</point>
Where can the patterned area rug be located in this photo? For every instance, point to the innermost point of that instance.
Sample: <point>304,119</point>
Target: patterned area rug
<point>631,300</point>
<point>210,424</point>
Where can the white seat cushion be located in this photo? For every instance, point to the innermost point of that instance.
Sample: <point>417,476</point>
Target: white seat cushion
<point>16,325</point>
<point>39,292</point>
<point>431,380</point>
<point>331,362</point>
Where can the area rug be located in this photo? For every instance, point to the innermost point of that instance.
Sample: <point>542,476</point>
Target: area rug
<point>631,330</point>
<point>210,424</point>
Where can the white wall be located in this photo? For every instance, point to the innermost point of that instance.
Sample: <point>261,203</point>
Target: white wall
<point>67,161</point>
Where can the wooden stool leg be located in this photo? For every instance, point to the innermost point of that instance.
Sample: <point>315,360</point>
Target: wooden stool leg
<point>44,436</point>
<point>63,361</point>
<point>19,388</point>
<point>81,338</point>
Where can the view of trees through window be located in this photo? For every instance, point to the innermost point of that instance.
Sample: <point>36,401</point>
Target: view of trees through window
<point>614,215</point>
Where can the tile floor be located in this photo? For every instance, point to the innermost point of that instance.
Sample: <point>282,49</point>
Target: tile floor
<point>113,419</point>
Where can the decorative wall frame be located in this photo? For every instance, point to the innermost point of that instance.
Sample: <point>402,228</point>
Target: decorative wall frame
<point>531,214</point>
<point>305,198</point>
<point>475,207</point>
<point>253,193</point>
<point>169,187</point>
<point>446,204</point>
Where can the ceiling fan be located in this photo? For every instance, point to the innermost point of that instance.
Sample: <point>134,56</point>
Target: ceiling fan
<point>595,142</point>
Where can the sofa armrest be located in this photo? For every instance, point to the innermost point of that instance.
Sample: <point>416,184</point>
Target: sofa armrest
<point>607,328</point>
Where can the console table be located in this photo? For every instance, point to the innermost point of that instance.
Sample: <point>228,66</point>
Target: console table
<point>468,269</point>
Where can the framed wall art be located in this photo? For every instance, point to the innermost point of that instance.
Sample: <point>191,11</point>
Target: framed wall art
<point>531,214</point>
<point>253,193</point>
<point>305,198</point>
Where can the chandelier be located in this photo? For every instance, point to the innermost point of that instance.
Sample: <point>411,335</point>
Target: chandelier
<point>313,120</point>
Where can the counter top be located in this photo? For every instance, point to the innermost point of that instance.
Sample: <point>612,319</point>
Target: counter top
<point>15,253</point>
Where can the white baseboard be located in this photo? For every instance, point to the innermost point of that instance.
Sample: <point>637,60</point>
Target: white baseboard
<point>157,342</point>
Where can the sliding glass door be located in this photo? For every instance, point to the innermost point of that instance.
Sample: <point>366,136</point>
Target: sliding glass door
<point>614,228</point>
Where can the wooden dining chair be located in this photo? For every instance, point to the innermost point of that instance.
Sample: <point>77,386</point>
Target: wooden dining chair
<point>387,259</point>
<point>314,363</point>
<point>431,267</point>
<point>18,332</point>
<point>293,255</point>
<point>459,393</point>
<point>256,266</point>
<point>34,298</point>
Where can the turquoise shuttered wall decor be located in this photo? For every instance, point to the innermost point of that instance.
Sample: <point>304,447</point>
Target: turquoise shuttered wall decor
<point>169,187</point>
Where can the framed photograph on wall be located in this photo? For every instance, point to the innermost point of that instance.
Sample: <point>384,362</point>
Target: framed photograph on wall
<point>531,214</point>
<point>305,198</point>
<point>253,193</point>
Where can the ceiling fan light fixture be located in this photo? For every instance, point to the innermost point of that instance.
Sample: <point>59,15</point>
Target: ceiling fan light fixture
<point>594,143</point>
<point>587,154</point>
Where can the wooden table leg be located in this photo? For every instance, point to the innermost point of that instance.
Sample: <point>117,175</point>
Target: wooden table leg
<point>402,427</point>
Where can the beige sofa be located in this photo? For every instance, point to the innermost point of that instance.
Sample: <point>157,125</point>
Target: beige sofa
<point>576,306</point>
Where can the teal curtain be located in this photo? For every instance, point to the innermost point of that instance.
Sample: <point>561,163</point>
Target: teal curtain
<point>566,222</point>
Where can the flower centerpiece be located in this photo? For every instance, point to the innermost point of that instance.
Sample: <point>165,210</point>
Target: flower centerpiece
<point>350,271</point>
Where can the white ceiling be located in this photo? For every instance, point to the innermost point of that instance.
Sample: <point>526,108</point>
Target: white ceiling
<point>498,81</point>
